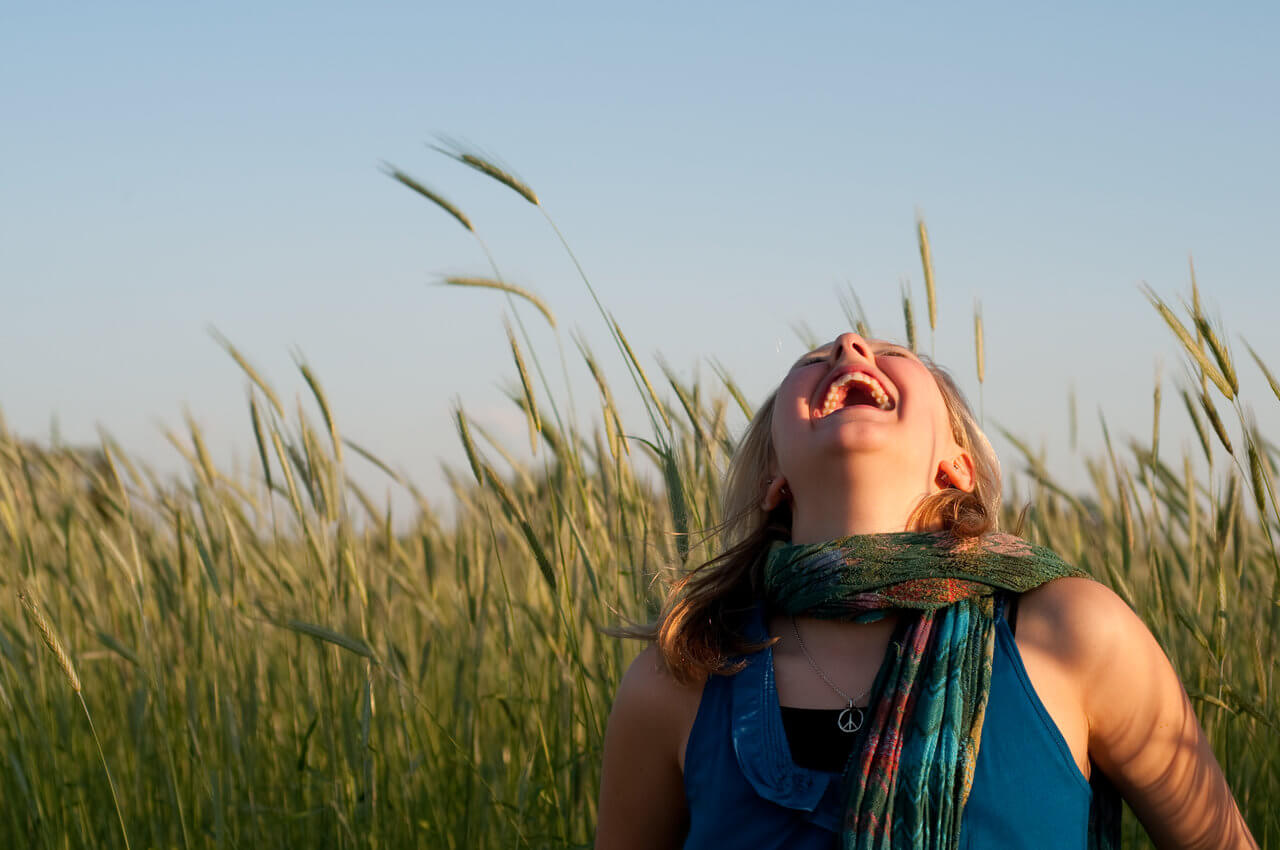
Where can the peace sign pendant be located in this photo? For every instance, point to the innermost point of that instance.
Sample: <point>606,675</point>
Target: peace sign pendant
<point>846,721</point>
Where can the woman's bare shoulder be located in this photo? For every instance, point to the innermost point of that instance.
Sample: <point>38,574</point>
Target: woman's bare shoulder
<point>1143,731</point>
<point>650,671</point>
<point>1082,614</point>
<point>651,690</point>
<point>642,801</point>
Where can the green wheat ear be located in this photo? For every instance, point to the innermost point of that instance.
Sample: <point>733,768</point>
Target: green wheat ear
<point>486,166</point>
<point>908,316</point>
<point>503,286</point>
<point>50,640</point>
<point>926,260</point>
<point>430,194</point>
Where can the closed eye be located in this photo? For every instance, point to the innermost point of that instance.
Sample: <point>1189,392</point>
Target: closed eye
<point>818,357</point>
<point>810,359</point>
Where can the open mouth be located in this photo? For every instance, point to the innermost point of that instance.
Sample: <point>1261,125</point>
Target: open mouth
<point>852,389</point>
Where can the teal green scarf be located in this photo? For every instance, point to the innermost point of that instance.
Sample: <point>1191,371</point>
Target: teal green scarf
<point>910,775</point>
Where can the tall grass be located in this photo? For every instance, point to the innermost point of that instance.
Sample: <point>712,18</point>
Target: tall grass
<point>274,661</point>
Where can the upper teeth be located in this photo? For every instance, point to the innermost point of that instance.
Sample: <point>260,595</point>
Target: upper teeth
<point>835,396</point>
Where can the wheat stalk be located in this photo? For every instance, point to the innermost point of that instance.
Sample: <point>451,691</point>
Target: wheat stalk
<point>1190,345</point>
<point>1155,418</point>
<point>432,196</point>
<point>1199,425</point>
<point>978,342</point>
<point>503,286</point>
<point>64,661</point>
<point>926,260</point>
<point>531,407</point>
<point>1266,373</point>
<point>487,167</point>
<point>908,316</point>
<point>853,312</point>
<point>1219,350</point>
<point>979,351</point>
<point>248,369</point>
<point>50,639</point>
<point>1216,421</point>
<point>1073,417</point>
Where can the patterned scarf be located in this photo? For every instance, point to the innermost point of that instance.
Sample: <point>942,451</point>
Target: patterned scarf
<point>909,777</point>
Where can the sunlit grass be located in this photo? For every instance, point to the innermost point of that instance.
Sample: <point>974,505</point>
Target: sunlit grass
<point>271,661</point>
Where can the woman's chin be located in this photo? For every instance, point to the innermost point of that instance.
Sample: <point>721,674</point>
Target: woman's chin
<point>858,427</point>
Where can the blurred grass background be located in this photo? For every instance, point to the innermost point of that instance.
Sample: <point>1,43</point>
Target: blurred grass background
<point>269,658</point>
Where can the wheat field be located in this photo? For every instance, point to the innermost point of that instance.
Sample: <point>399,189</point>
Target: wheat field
<point>268,659</point>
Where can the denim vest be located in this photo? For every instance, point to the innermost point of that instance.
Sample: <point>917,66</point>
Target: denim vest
<point>744,791</point>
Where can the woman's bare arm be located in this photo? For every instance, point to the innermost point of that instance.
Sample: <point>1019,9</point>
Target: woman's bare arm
<point>642,803</point>
<point>1143,732</point>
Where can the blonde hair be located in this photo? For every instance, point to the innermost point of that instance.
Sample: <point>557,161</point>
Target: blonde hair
<point>698,632</point>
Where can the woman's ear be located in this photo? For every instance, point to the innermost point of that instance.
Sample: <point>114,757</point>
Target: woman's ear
<point>775,491</point>
<point>956,472</point>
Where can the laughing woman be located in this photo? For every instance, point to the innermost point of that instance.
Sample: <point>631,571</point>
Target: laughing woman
<point>871,664</point>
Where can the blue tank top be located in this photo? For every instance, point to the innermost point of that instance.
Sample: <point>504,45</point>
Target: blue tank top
<point>744,791</point>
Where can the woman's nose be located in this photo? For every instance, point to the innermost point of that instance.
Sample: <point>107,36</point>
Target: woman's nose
<point>852,345</point>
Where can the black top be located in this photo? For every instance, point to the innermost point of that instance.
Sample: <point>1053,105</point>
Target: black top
<point>814,735</point>
<point>815,740</point>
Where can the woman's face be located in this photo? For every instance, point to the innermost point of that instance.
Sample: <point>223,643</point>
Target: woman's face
<point>854,398</point>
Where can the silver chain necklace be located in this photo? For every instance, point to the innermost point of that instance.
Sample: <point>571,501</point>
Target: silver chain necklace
<point>846,721</point>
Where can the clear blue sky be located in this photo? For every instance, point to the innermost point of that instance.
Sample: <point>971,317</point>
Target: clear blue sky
<point>721,170</point>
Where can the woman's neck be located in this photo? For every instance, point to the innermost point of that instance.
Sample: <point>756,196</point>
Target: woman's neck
<point>840,508</point>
